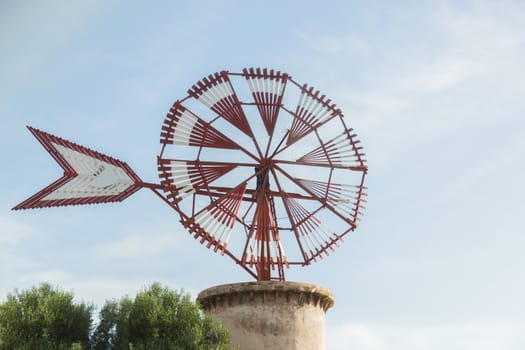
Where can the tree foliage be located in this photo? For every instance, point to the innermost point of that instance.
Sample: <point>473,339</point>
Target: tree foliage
<point>44,318</point>
<point>158,319</point>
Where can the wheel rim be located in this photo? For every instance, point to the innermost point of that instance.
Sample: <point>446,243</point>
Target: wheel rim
<point>258,166</point>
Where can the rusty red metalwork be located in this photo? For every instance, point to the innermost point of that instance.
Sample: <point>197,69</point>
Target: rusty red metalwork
<point>259,168</point>
<point>301,187</point>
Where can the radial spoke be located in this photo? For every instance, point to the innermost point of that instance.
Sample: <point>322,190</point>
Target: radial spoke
<point>251,194</point>
<point>361,168</point>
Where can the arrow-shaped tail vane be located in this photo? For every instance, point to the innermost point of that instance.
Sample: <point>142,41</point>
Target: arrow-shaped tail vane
<point>89,177</point>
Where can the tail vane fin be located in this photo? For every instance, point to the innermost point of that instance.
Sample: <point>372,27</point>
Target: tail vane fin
<point>89,176</point>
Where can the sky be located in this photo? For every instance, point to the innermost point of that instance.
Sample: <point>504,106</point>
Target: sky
<point>434,89</point>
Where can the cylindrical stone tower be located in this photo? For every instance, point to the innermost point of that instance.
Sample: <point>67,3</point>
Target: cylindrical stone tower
<point>271,314</point>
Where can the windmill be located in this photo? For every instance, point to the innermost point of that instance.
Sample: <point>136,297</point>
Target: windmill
<point>259,168</point>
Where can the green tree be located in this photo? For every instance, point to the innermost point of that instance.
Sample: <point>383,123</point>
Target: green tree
<point>43,318</point>
<point>112,331</point>
<point>158,319</point>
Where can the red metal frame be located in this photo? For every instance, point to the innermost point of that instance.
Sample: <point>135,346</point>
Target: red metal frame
<point>249,204</point>
<point>247,195</point>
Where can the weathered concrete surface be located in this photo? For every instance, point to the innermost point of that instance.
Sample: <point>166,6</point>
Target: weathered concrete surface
<point>271,315</point>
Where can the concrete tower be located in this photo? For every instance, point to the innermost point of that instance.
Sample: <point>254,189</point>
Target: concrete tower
<point>271,314</point>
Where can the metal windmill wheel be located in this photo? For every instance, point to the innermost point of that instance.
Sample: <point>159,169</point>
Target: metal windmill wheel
<point>262,169</point>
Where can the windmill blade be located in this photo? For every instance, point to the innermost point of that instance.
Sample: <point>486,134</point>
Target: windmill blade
<point>89,177</point>
<point>217,93</point>
<point>267,89</point>
<point>311,112</point>
<point>341,151</point>
<point>313,236</point>
<point>182,127</point>
<point>347,200</point>
<point>214,223</point>
<point>183,178</point>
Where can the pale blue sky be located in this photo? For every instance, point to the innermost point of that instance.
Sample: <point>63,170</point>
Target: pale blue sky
<point>434,89</point>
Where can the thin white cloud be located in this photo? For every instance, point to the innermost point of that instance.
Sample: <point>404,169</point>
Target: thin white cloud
<point>52,275</point>
<point>13,232</point>
<point>32,33</point>
<point>333,44</point>
<point>99,289</point>
<point>467,336</point>
<point>14,238</point>
<point>16,266</point>
<point>488,172</point>
<point>425,91</point>
<point>354,336</point>
<point>140,245</point>
<point>96,290</point>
